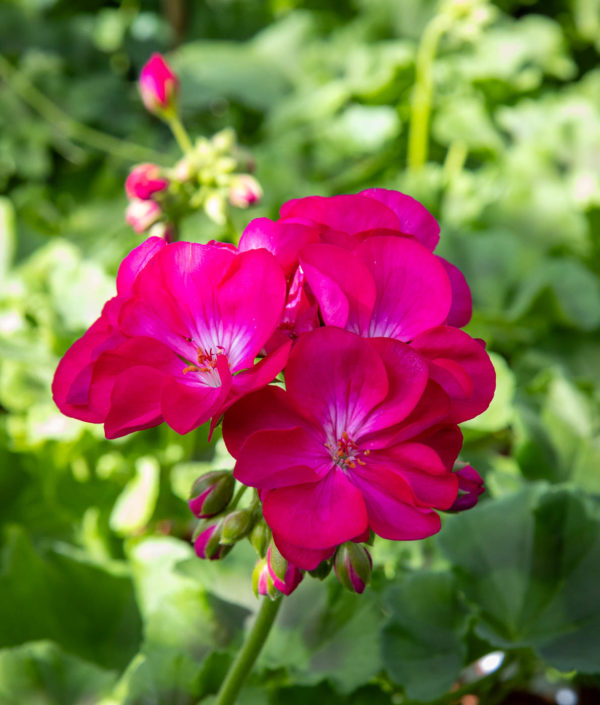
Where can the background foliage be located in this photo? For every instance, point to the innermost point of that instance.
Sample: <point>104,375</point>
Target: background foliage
<point>101,598</point>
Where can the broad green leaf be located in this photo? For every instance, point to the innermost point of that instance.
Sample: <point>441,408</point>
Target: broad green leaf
<point>7,236</point>
<point>530,565</point>
<point>421,641</point>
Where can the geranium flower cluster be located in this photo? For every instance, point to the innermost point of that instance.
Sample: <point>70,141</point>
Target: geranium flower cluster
<point>358,436</point>
<point>208,177</point>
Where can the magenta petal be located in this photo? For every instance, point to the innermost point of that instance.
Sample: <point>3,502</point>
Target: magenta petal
<point>259,375</point>
<point>342,285</point>
<point>268,408</point>
<point>446,441</point>
<point>282,239</point>
<point>250,303</point>
<point>338,376</point>
<point>414,218</point>
<point>347,213</point>
<point>462,305</point>
<point>407,374</point>
<point>135,402</point>
<point>413,289</point>
<point>317,515</point>
<point>392,506</point>
<point>431,482</point>
<point>461,366</point>
<point>304,558</point>
<point>187,405</point>
<point>135,261</point>
<point>270,459</point>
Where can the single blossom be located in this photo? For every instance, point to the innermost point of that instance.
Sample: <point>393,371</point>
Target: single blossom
<point>244,191</point>
<point>144,181</point>
<point>405,293</point>
<point>197,318</point>
<point>159,86</point>
<point>142,214</point>
<point>357,442</point>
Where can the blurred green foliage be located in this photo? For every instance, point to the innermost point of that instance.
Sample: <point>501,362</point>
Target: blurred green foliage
<point>101,597</point>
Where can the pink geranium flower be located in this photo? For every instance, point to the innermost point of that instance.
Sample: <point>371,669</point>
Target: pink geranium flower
<point>197,318</point>
<point>353,444</point>
<point>404,292</point>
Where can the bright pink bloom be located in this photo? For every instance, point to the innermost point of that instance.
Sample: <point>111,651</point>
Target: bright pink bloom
<point>354,443</point>
<point>197,318</point>
<point>404,293</point>
<point>159,85</point>
<point>142,214</point>
<point>144,181</point>
<point>70,387</point>
<point>244,191</point>
<point>470,486</point>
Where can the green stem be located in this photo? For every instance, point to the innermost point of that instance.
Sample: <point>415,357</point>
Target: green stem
<point>239,494</point>
<point>420,111</point>
<point>180,134</point>
<point>247,655</point>
<point>62,121</point>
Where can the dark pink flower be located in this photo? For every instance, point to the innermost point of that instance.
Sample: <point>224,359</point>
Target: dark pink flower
<point>470,486</point>
<point>195,322</point>
<point>354,443</point>
<point>142,214</point>
<point>144,181</point>
<point>70,387</point>
<point>159,85</point>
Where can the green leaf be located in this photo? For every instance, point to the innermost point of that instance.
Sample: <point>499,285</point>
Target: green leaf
<point>7,236</point>
<point>421,641</point>
<point>84,608</point>
<point>500,412</point>
<point>530,563</point>
<point>135,505</point>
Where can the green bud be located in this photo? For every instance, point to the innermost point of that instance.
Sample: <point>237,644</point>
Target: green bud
<point>353,566</point>
<point>322,570</point>
<point>260,537</point>
<point>262,582</point>
<point>211,493</point>
<point>236,525</point>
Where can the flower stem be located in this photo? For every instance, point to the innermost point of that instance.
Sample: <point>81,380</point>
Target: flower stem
<point>63,122</point>
<point>180,134</point>
<point>247,655</point>
<point>422,95</point>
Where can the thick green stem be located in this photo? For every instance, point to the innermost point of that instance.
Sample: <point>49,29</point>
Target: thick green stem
<point>247,655</point>
<point>62,121</point>
<point>418,136</point>
<point>180,134</point>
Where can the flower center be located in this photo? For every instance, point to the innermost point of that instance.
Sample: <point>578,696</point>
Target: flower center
<point>345,452</point>
<point>206,364</point>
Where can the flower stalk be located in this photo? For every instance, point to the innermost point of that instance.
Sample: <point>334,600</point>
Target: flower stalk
<point>247,655</point>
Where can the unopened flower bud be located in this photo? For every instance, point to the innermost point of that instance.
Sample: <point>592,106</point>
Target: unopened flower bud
<point>142,214</point>
<point>166,231</point>
<point>244,191</point>
<point>262,582</point>
<point>184,170</point>
<point>159,86</point>
<point>224,141</point>
<point>216,208</point>
<point>470,486</point>
<point>260,537</point>
<point>286,576</point>
<point>211,493</point>
<point>206,541</point>
<point>144,180</point>
<point>353,566</point>
<point>236,526</point>
<point>322,570</point>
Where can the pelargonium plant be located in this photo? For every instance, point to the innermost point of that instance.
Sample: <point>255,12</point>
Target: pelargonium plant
<point>328,343</point>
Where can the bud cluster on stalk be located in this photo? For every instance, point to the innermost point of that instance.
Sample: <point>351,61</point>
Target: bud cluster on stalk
<point>212,175</point>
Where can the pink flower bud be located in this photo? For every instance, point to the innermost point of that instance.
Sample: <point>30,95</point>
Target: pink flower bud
<point>262,582</point>
<point>353,566</point>
<point>165,231</point>
<point>470,486</point>
<point>285,575</point>
<point>211,493</point>
<point>144,180</point>
<point>206,542</point>
<point>244,191</point>
<point>142,214</point>
<point>159,86</point>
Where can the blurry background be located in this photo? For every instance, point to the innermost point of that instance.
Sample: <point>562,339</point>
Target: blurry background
<point>101,601</point>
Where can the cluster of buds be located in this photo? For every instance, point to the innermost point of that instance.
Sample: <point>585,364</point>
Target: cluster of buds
<point>211,176</point>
